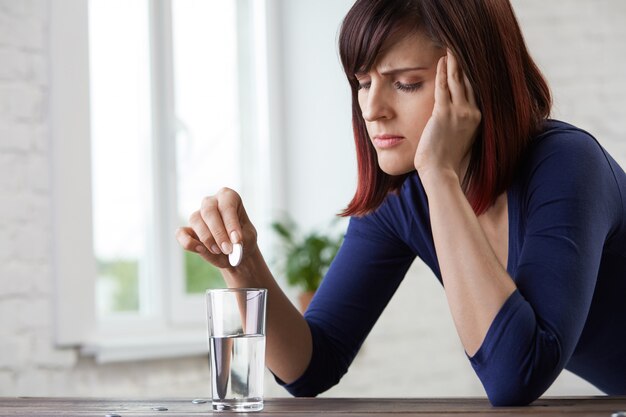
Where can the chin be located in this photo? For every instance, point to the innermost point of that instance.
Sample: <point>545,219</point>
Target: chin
<point>395,163</point>
<point>396,170</point>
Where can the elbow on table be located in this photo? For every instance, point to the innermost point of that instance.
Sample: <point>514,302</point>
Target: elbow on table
<point>304,393</point>
<point>506,400</point>
<point>311,386</point>
<point>308,390</point>
<point>512,395</point>
<point>517,385</point>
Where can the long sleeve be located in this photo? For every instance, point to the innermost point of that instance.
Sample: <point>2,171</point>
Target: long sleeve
<point>568,206</point>
<point>360,282</point>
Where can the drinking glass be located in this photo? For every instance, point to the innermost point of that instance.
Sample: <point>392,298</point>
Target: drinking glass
<point>236,330</point>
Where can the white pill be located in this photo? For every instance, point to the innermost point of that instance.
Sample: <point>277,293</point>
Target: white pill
<point>235,256</point>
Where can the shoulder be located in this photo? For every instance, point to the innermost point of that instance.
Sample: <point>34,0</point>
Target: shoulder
<point>563,143</point>
<point>567,169</point>
<point>565,154</point>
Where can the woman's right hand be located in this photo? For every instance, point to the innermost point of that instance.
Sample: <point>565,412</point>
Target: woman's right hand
<point>220,222</point>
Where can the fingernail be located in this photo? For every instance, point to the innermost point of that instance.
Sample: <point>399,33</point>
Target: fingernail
<point>234,237</point>
<point>226,248</point>
<point>215,249</point>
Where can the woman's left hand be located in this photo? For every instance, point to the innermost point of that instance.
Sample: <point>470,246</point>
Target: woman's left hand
<point>449,134</point>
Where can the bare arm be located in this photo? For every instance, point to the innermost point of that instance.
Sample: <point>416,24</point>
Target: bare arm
<point>289,345</point>
<point>476,284</point>
<point>222,221</point>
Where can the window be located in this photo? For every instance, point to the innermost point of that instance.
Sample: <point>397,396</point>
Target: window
<point>172,112</point>
<point>177,89</point>
<point>125,136</point>
<point>121,145</point>
<point>208,147</point>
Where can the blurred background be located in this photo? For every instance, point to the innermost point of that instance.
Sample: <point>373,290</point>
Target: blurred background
<point>118,116</point>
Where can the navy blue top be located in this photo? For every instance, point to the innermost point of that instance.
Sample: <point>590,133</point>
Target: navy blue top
<point>567,256</point>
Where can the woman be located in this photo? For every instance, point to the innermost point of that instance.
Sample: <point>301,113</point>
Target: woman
<point>520,217</point>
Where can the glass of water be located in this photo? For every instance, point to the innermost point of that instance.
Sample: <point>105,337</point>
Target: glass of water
<point>236,323</point>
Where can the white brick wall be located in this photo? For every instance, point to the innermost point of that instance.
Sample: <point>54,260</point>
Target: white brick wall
<point>580,46</point>
<point>412,351</point>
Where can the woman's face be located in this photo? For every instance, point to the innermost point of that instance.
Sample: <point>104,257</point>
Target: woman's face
<point>397,97</point>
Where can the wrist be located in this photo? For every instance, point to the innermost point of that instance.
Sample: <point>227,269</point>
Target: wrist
<point>439,177</point>
<point>249,273</point>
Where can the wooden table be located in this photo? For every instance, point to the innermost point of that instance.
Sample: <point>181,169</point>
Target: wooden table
<point>302,407</point>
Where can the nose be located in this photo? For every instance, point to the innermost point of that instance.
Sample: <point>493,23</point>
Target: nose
<point>375,104</point>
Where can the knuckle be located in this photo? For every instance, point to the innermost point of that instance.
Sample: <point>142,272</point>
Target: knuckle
<point>227,203</point>
<point>206,239</point>
<point>467,114</point>
<point>180,238</point>
<point>231,225</point>
<point>227,198</point>
<point>185,241</point>
<point>208,202</point>
<point>193,217</point>
<point>249,233</point>
<point>225,192</point>
<point>181,234</point>
<point>188,244</point>
<point>220,235</point>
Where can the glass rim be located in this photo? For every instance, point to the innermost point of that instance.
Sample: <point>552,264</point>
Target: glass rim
<point>214,290</point>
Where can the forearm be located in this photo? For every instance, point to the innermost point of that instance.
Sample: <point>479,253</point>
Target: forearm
<point>289,345</point>
<point>475,282</point>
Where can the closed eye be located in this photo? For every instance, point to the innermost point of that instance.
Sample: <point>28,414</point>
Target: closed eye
<point>407,87</point>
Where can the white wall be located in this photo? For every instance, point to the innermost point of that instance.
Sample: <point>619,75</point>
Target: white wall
<point>317,130</point>
<point>413,350</point>
<point>581,48</point>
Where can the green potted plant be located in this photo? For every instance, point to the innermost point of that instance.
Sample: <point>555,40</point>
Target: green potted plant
<point>305,257</point>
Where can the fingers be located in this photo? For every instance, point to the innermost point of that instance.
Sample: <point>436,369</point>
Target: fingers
<point>471,97</point>
<point>461,91</point>
<point>442,94</point>
<point>230,216</point>
<point>188,239</point>
<point>455,79</point>
<point>202,232</point>
<point>220,214</point>
<point>216,226</point>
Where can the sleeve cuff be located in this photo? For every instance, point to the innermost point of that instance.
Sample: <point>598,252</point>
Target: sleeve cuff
<point>496,330</point>
<point>301,387</point>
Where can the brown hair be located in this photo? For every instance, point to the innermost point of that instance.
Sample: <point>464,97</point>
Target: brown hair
<point>511,92</point>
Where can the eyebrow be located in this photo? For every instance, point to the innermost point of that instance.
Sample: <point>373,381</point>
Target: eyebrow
<point>393,71</point>
<point>403,69</point>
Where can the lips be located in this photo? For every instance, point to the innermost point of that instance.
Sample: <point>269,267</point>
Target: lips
<point>387,141</point>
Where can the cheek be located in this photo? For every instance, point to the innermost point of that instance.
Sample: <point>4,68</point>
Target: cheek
<point>427,103</point>
<point>420,113</point>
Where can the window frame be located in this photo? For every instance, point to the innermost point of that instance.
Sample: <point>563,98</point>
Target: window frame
<point>71,172</point>
<point>176,326</point>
